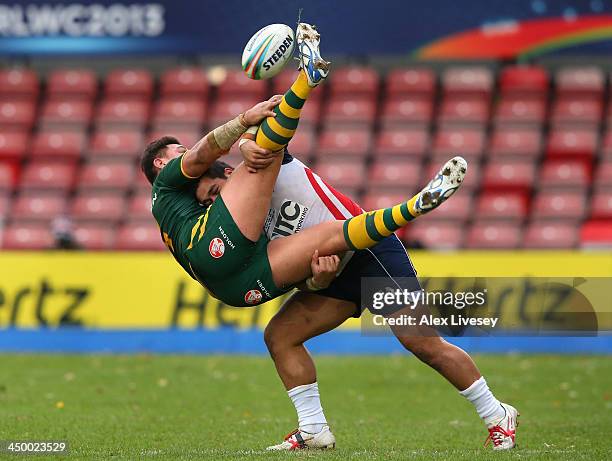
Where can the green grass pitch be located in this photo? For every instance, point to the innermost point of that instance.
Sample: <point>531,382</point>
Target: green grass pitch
<point>220,407</point>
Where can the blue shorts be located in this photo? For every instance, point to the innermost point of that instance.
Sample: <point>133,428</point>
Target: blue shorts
<point>387,259</point>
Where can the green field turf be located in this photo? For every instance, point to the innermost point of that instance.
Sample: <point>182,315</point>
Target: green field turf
<point>184,407</point>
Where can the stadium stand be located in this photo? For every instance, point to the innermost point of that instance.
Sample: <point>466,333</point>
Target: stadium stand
<point>537,140</point>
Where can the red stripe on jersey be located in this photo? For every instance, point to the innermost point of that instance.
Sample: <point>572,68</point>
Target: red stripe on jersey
<point>349,204</point>
<point>323,196</point>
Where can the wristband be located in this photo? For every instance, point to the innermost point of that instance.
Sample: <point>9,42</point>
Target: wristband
<point>312,286</point>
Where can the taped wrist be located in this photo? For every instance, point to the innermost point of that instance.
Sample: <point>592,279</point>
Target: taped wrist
<point>250,134</point>
<point>226,135</point>
<point>311,285</point>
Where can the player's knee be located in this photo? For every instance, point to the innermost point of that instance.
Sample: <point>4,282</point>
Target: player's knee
<point>272,338</point>
<point>428,350</point>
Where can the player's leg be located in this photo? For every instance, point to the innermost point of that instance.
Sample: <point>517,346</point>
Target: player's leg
<point>247,196</point>
<point>303,316</point>
<point>454,364</point>
<point>289,257</point>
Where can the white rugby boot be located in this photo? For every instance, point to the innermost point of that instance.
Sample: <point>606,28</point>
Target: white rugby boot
<point>314,66</point>
<point>444,184</point>
<point>503,432</point>
<point>300,440</point>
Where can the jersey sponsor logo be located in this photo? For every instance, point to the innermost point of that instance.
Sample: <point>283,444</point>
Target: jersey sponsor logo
<point>290,219</point>
<point>263,288</point>
<point>252,296</point>
<point>226,238</point>
<point>216,248</point>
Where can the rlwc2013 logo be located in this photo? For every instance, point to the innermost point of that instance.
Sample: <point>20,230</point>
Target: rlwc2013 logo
<point>216,248</point>
<point>252,296</point>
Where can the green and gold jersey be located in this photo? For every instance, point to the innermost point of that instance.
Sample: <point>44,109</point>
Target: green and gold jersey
<point>176,210</point>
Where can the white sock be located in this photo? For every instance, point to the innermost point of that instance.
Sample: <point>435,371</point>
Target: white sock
<point>487,406</point>
<point>308,406</point>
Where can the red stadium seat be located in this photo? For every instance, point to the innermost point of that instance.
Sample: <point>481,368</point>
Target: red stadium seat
<point>518,142</point>
<point>411,81</point>
<point>596,234</point>
<point>560,205</point>
<point>346,142</point>
<point>464,110</point>
<point>139,236</point>
<point>28,236</point>
<point>140,206</point>
<point>407,110</point>
<point>458,210</point>
<point>500,205</point>
<point>508,176</point>
<point>494,234</point>
<point>226,108</point>
<point>354,81</point>
<point>606,145</point>
<point>96,236</point>
<point>551,234</point>
<point>5,206</point>
<point>58,144</point>
<point>583,81</point>
<point>524,80</point>
<point>394,174</point>
<point>565,173</point>
<point>66,114</point>
<point>129,82</point>
<point>180,111</point>
<point>439,235</point>
<point>185,81</point>
<point>73,84</point>
<point>106,175</point>
<point>467,142</point>
<point>14,144</point>
<point>340,173</point>
<point>186,137</point>
<point>38,206</point>
<point>355,111</point>
<point>577,111</point>
<point>375,199</point>
<point>19,84</point>
<point>98,206</point>
<point>521,110</point>
<point>467,80</point>
<point>237,84</point>
<point>116,143</point>
<point>603,174</point>
<point>566,143</point>
<point>122,113</point>
<point>409,143</point>
<point>17,115</point>
<point>48,175</point>
<point>8,175</point>
<point>302,143</point>
<point>601,205</point>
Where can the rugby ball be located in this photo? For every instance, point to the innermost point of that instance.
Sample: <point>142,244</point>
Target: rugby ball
<point>267,52</point>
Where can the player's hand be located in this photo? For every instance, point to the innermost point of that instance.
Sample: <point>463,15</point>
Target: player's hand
<point>255,157</point>
<point>324,269</point>
<point>256,114</point>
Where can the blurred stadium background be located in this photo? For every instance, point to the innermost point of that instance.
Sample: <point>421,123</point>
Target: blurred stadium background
<point>521,89</point>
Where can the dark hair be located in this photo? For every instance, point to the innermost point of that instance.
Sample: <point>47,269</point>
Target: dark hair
<point>217,170</point>
<point>154,150</point>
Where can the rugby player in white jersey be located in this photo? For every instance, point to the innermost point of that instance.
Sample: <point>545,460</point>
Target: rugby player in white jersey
<point>301,199</point>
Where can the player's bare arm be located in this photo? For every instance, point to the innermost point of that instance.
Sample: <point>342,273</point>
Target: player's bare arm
<point>218,142</point>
